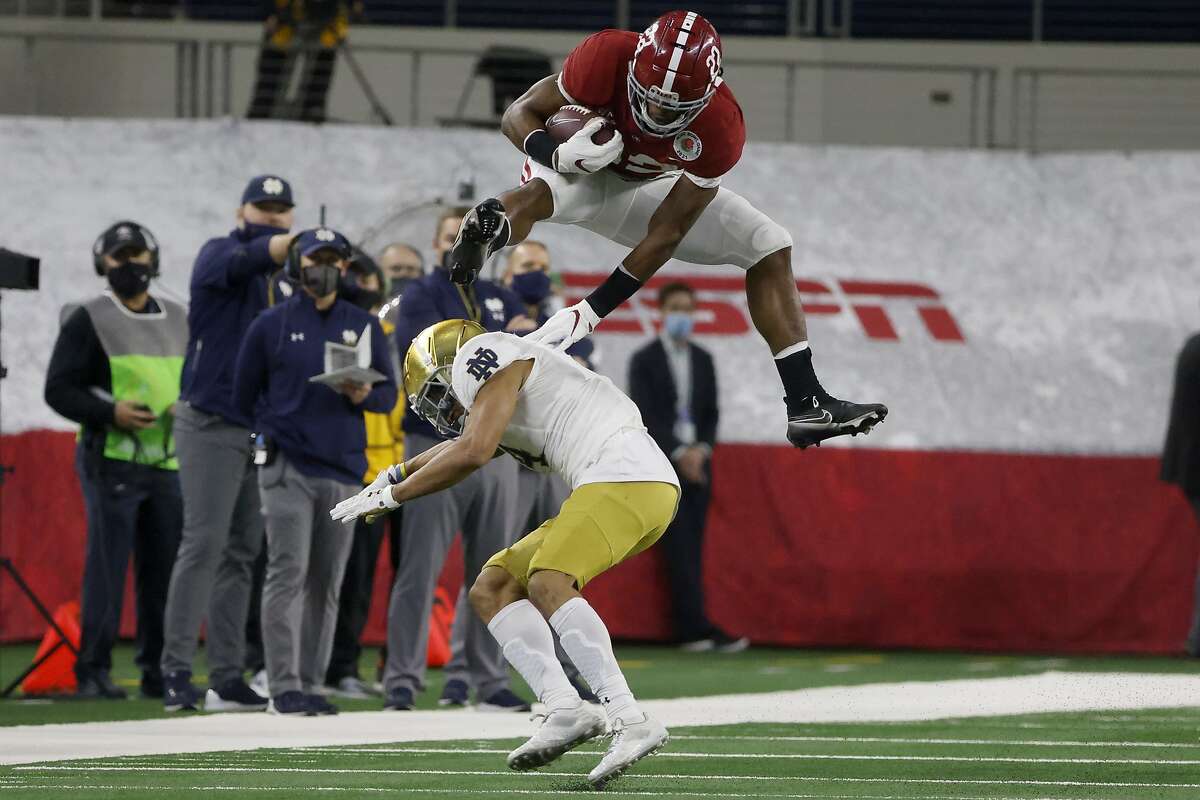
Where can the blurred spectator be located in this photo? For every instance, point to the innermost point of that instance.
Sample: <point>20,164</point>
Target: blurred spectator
<point>1181,454</point>
<point>402,264</point>
<point>304,32</point>
<point>232,281</point>
<point>483,507</point>
<point>312,439</point>
<point>115,370</point>
<point>385,446</point>
<point>674,383</point>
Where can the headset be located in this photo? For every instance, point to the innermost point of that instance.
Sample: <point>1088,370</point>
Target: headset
<point>151,247</point>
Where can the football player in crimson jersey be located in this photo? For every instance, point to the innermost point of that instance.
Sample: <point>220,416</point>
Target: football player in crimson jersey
<point>656,187</point>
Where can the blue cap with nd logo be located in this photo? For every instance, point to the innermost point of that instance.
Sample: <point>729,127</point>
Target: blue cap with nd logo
<point>268,189</point>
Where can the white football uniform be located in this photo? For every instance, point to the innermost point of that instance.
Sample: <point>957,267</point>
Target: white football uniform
<point>568,419</point>
<point>728,231</point>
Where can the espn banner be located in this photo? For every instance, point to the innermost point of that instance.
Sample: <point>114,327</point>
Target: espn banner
<point>994,301</point>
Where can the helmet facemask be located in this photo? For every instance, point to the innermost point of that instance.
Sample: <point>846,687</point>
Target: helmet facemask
<point>641,98</point>
<point>436,404</point>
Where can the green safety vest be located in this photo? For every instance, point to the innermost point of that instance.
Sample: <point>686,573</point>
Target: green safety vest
<point>145,355</point>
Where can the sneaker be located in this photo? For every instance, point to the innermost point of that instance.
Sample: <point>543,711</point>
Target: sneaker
<point>585,692</point>
<point>293,703</point>
<point>454,694</point>
<point>151,685</point>
<point>400,699</point>
<point>631,742</point>
<point>178,692</point>
<point>832,417</point>
<point>475,237</point>
<point>704,645</point>
<point>560,731</point>
<point>260,684</point>
<point>99,686</point>
<point>233,695</point>
<point>319,706</point>
<point>351,688</point>
<point>724,643</point>
<point>503,700</point>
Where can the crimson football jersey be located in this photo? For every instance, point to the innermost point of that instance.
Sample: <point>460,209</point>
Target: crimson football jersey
<point>594,75</point>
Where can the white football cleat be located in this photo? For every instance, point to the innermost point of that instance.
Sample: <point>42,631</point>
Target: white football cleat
<point>631,742</point>
<point>559,732</point>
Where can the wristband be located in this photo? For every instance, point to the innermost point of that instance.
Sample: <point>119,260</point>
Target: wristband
<point>616,289</point>
<point>403,472</point>
<point>540,147</point>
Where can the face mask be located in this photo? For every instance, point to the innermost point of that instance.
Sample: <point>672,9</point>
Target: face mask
<point>252,231</point>
<point>130,279</point>
<point>677,324</point>
<point>368,299</point>
<point>398,285</point>
<point>321,280</point>
<point>532,287</point>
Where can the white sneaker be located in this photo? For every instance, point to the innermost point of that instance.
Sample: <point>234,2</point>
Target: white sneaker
<point>559,732</point>
<point>631,742</point>
<point>259,684</point>
<point>351,688</point>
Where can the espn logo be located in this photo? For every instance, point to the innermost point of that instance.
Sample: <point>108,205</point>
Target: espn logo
<point>721,305</point>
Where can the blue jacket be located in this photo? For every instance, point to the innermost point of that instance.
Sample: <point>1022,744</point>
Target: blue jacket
<point>433,298</point>
<point>318,429</point>
<point>228,290</point>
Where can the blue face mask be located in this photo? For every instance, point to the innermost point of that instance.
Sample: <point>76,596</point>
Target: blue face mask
<point>678,325</point>
<point>532,287</point>
<point>252,231</point>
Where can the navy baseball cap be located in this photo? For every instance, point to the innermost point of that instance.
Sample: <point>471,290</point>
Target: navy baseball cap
<point>268,188</point>
<point>316,239</point>
<point>124,234</point>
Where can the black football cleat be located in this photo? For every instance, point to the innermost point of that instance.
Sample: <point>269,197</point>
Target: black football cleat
<point>480,229</point>
<point>828,418</point>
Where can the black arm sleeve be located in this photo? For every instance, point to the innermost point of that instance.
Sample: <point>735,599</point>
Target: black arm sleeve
<point>77,364</point>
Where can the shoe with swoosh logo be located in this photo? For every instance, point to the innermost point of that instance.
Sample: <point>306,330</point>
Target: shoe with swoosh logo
<point>480,229</point>
<point>824,419</point>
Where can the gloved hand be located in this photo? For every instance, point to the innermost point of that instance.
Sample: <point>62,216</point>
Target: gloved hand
<point>367,503</point>
<point>566,327</point>
<point>580,154</point>
<point>389,476</point>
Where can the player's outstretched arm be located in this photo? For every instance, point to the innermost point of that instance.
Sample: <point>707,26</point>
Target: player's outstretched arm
<point>529,112</point>
<point>674,217</point>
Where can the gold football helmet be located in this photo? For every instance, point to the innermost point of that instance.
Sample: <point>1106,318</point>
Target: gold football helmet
<point>427,368</point>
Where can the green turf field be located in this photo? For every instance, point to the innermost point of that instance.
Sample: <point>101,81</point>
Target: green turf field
<point>653,672</point>
<point>1143,755</point>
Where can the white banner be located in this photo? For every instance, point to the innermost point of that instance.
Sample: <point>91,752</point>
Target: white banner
<point>994,300</point>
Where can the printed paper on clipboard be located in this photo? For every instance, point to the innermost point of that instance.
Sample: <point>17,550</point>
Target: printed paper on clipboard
<point>345,363</point>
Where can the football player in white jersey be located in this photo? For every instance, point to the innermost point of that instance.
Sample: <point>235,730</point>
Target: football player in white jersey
<point>497,393</point>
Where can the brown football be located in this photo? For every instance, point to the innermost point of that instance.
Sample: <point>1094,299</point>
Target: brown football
<point>567,121</point>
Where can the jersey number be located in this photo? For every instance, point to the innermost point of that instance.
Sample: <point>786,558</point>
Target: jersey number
<point>642,163</point>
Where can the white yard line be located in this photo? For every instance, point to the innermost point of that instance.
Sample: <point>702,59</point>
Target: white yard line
<point>889,702</point>
<point>52,768</point>
<point>667,754</point>
<point>938,742</point>
<point>472,792</point>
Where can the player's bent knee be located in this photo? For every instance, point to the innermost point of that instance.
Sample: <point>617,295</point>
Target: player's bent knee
<point>549,589</point>
<point>492,591</point>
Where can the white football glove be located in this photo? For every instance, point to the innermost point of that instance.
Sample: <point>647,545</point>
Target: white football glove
<point>580,154</point>
<point>369,503</point>
<point>566,327</point>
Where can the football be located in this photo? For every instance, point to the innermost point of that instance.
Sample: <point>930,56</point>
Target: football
<point>567,121</point>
